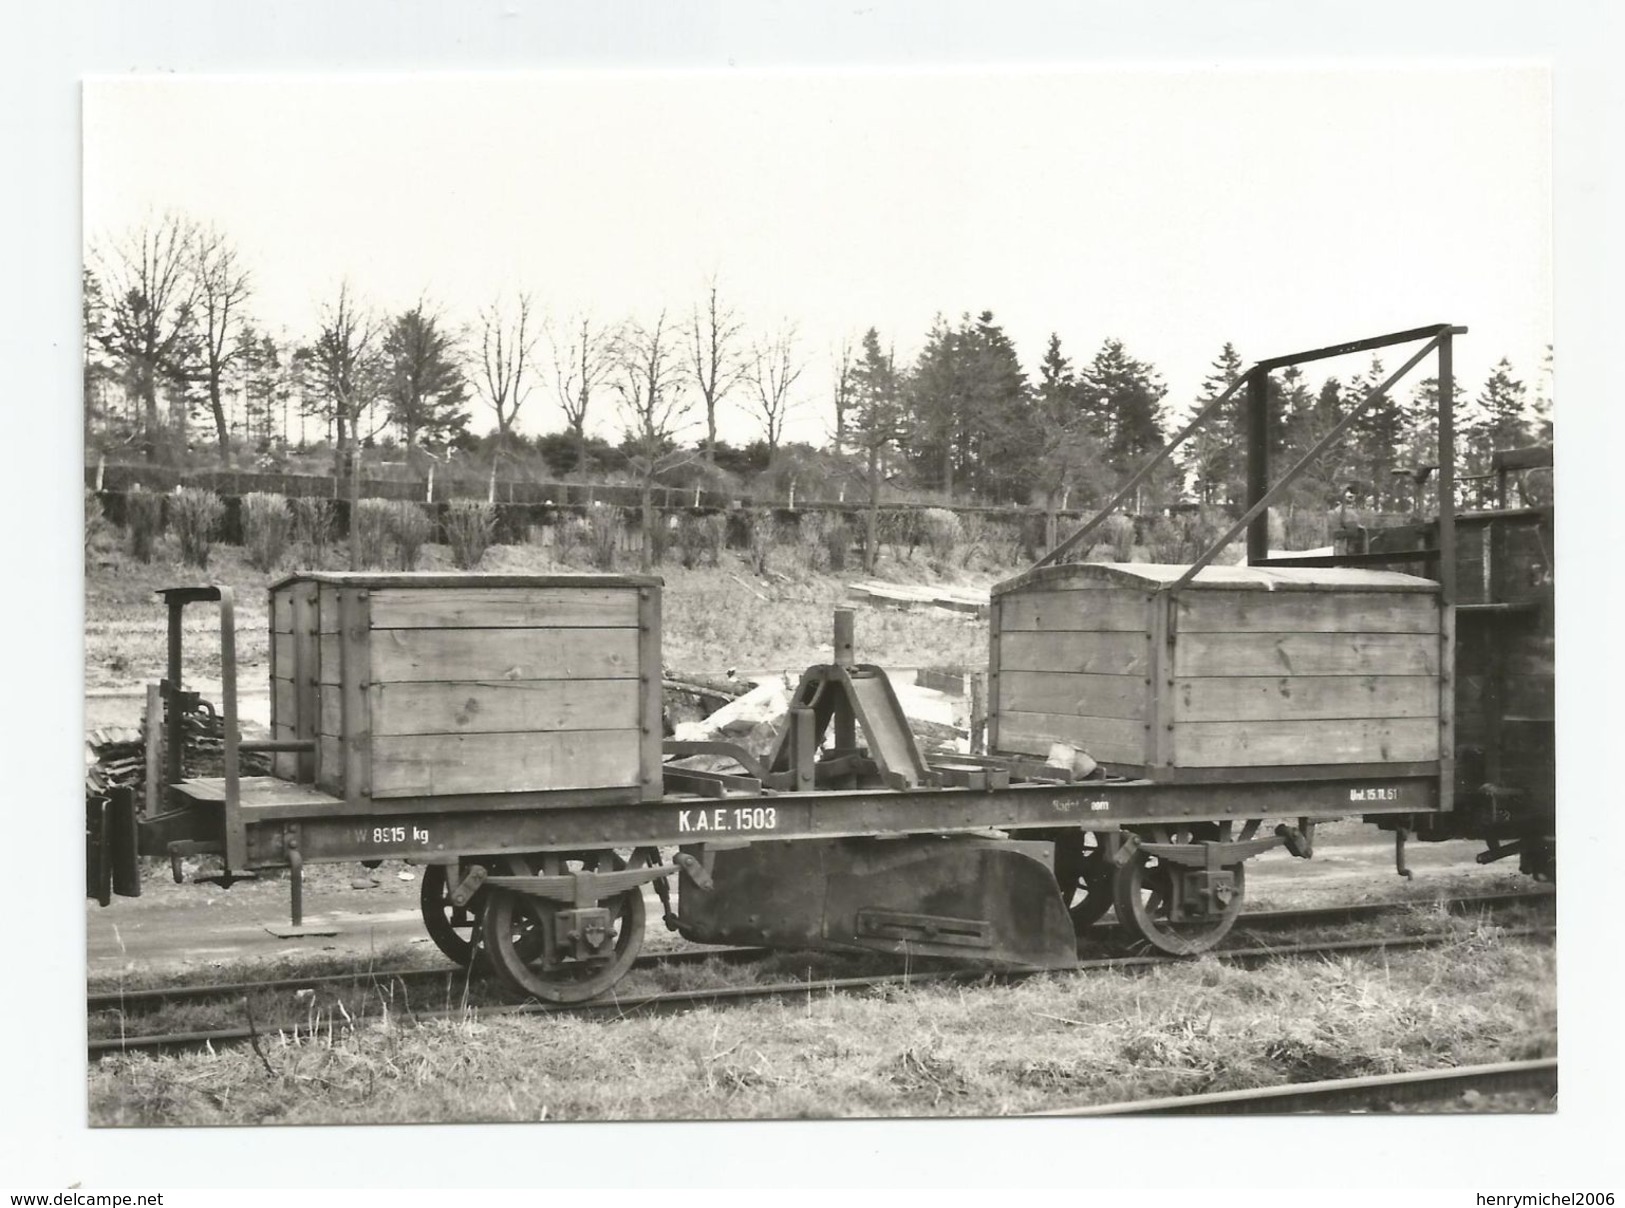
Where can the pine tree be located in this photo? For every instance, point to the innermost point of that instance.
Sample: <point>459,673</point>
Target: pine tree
<point>996,422</point>
<point>1123,396</point>
<point>1213,456</point>
<point>1068,452</point>
<point>1376,436</point>
<point>424,384</point>
<point>1500,418</point>
<point>875,425</point>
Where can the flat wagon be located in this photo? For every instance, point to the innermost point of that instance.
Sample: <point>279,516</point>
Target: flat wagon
<point>1151,729</point>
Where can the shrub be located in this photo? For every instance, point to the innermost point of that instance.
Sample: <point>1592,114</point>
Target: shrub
<point>812,545</point>
<point>267,525</point>
<point>900,529</point>
<point>1117,532</point>
<point>941,531</point>
<point>95,520</point>
<point>1003,541</point>
<point>714,534</point>
<point>603,535</point>
<point>973,532</point>
<point>568,529</point>
<point>700,539</point>
<point>370,525</point>
<point>197,514</point>
<point>410,526</point>
<point>312,526</point>
<point>764,533</point>
<point>1307,529</point>
<point>837,541</point>
<point>470,524</point>
<point>144,517</point>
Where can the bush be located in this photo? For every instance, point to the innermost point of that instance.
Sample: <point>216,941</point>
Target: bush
<point>604,535</point>
<point>900,529</point>
<point>95,520</point>
<point>370,526</point>
<point>312,526</point>
<point>410,526</point>
<point>699,539</point>
<point>568,530</point>
<point>941,531</point>
<point>837,541</point>
<point>267,525</point>
<point>1307,529</point>
<point>197,515</point>
<point>812,545</point>
<point>144,517</point>
<point>470,524</point>
<point>1117,532</point>
<point>764,533</point>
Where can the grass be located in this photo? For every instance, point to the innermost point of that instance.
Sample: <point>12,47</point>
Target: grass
<point>923,1050</point>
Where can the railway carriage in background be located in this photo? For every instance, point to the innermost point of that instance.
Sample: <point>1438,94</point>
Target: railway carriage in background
<point>1150,729</point>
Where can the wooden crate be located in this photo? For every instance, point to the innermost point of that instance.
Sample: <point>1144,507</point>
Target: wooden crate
<point>423,685</point>
<point>1244,671</point>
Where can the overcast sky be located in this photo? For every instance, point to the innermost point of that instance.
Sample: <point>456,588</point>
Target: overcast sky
<point>1173,209</point>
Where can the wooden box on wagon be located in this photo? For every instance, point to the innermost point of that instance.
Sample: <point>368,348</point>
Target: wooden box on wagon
<point>1244,671</point>
<point>442,686</point>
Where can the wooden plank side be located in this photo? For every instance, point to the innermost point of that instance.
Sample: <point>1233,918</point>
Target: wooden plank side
<point>1295,654</point>
<point>330,765</point>
<point>282,610</point>
<point>405,655</point>
<point>282,660</point>
<point>506,706</point>
<point>283,703</point>
<point>1090,653</point>
<point>1307,697</point>
<point>1108,739</point>
<point>1265,743</point>
<point>328,608</point>
<point>426,765</point>
<point>306,689</point>
<point>1306,612</point>
<point>330,660</point>
<point>354,636</point>
<point>995,671</point>
<point>1106,609</point>
<point>1077,694</point>
<point>284,764</point>
<point>651,730</point>
<point>504,607</point>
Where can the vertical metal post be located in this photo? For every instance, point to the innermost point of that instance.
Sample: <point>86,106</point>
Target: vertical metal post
<point>978,713</point>
<point>296,886</point>
<point>844,648</point>
<point>155,749</point>
<point>846,729</point>
<point>1258,463</point>
<point>1447,572</point>
<point>1447,470</point>
<point>174,738</point>
<point>803,748</point>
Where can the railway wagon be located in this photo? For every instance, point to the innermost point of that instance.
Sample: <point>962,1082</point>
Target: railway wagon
<point>845,835</point>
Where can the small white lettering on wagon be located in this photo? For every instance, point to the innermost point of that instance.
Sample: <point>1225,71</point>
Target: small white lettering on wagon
<point>1376,794</point>
<point>722,818</point>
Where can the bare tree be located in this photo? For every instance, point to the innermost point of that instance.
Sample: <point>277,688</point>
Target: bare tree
<point>713,333</point>
<point>223,289</point>
<point>773,371</point>
<point>655,407</point>
<point>348,374</point>
<point>507,356</point>
<point>584,357</point>
<point>845,390</point>
<point>150,291</point>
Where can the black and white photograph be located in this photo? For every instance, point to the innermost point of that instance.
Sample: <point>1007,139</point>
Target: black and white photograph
<point>913,591</point>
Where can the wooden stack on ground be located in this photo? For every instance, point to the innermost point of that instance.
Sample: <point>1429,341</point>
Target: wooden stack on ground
<point>1245,670</point>
<point>421,685</point>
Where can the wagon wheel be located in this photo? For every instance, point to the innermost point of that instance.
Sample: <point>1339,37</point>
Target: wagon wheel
<point>452,928</point>
<point>1085,876</point>
<point>1142,893</point>
<point>520,936</point>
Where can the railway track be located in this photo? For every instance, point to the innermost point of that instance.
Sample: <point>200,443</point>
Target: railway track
<point>625,1006</point>
<point>124,1000</point>
<point>1376,1093</point>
